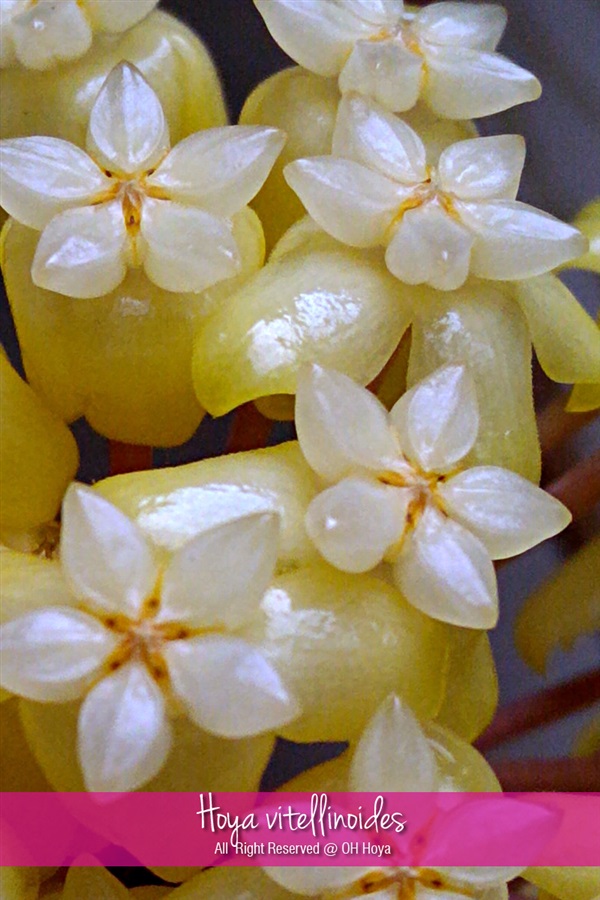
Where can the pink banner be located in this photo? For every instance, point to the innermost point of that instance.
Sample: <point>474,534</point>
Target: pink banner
<point>414,829</point>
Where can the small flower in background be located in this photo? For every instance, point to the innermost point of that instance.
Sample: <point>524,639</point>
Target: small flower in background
<point>133,201</point>
<point>443,53</point>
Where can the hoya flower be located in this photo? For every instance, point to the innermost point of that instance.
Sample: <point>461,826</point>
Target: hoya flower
<point>42,33</point>
<point>131,201</point>
<point>397,492</point>
<point>140,642</point>
<point>443,53</point>
<point>436,223</point>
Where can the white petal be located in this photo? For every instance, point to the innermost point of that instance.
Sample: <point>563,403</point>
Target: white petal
<point>82,252</point>
<point>480,876</point>
<point>483,167</point>
<point>437,420</point>
<point>228,687</point>
<point>514,240</point>
<point>42,176</point>
<point>317,35</point>
<point>368,134</point>
<point>430,247</point>
<point>48,33</point>
<point>186,249</point>
<point>123,733</point>
<point>311,881</point>
<point>393,753</point>
<point>353,523</point>
<point>341,426</point>
<point>467,84</point>
<point>387,71</point>
<point>219,577</point>
<point>53,654</point>
<point>127,132</point>
<point>104,554</point>
<point>479,26</point>
<point>220,169</point>
<point>8,56</point>
<point>118,15</point>
<point>379,12</point>
<point>352,203</point>
<point>505,511</point>
<point>447,573</point>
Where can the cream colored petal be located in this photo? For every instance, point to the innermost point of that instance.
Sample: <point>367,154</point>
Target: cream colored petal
<point>471,689</point>
<point>505,511</point>
<point>47,33</point>
<point>231,883</point>
<point>84,882</point>
<point>483,167</point>
<point>123,733</point>
<point>567,882</point>
<point>514,240</point>
<point>430,247</point>
<point>438,419</point>
<point>220,169</point>
<point>468,25</point>
<point>52,654</point>
<point>117,15</point>
<point>373,137</point>
<point>187,249</point>
<point>387,71</point>
<point>379,12</point>
<point>341,426</point>
<point>219,577</point>
<point>127,131</point>
<point>352,203</point>
<point>30,582</point>
<point>228,687</point>
<point>353,523</point>
<point>311,881</point>
<point>480,877</point>
<point>105,556</point>
<point>43,176</point>
<point>393,753</point>
<point>466,84</point>
<point>461,767</point>
<point>82,252</point>
<point>8,56</point>
<point>447,573</point>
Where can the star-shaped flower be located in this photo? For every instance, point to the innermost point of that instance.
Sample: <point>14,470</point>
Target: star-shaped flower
<point>443,53</point>
<point>437,224</point>
<point>41,33</point>
<point>133,201</point>
<point>398,493</point>
<point>141,641</point>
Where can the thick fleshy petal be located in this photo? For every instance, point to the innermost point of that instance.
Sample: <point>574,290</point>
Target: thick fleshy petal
<point>353,523</point>
<point>447,573</point>
<point>566,882</point>
<point>479,26</point>
<point>466,84</point>
<point>187,249</point>
<point>221,169</point>
<point>86,879</point>
<point>471,690</point>
<point>219,577</point>
<point>387,71</point>
<point>373,137</point>
<point>52,654</point>
<point>42,176</point>
<point>82,253</point>
<point>104,554</point>
<point>393,753</point>
<point>118,15</point>
<point>228,687</point>
<point>430,247</point>
<point>47,33</point>
<point>505,511</point>
<point>480,877</point>
<point>515,240</point>
<point>311,881</point>
<point>124,736</point>
<point>437,420</point>
<point>352,203</point>
<point>231,883</point>
<point>483,167</point>
<point>341,426</point>
<point>379,12</point>
<point>127,131</point>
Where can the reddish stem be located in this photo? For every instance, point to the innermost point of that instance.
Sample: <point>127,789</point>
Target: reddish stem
<point>579,774</point>
<point>579,487</point>
<point>124,458</point>
<point>556,426</point>
<point>250,430</point>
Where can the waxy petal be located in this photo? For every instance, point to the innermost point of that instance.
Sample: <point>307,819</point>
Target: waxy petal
<point>118,15</point>
<point>42,176</point>
<point>228,687</point>
<point>53,654</point>
<point>47,33</point>
<point>219,577</point>
<point>127,131</point>
<point>447,573</point>
<point>353,523</point>
<point>86,879</point>
<point>220,169</point>
<point>480,876</point>
<point>311,881</point>
<point>187,249</point>
<point>387,71</point>
<point>505,511</point>
<point>341,426</point>
<point>379,12</point>
<point>479,26</point>
<point>483,167</point>
<point>437,420</point>
<point>104,554</point>
<point>123,733</point>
